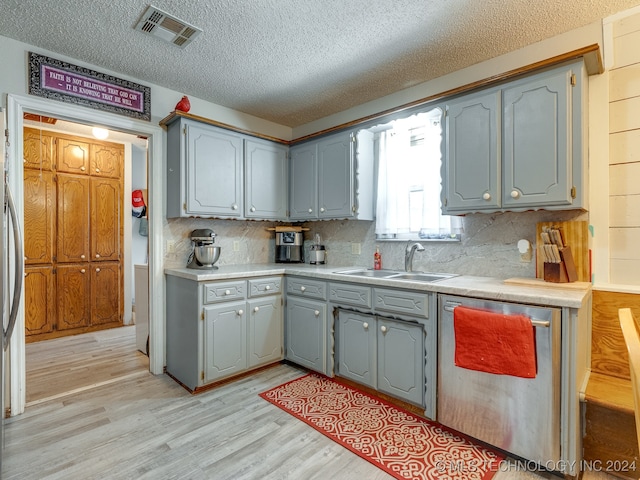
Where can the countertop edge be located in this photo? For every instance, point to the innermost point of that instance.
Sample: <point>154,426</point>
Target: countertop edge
<point>469,286</point>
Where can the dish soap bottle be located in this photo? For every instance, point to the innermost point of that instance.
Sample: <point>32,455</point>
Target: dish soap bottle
<point>377,259</point>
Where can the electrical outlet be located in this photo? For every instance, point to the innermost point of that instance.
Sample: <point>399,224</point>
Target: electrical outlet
<point>236,246</point>
<point>355,248</point>
<point>171,246</point>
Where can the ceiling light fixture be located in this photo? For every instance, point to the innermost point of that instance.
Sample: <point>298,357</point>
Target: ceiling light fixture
<point>100,133</point>
<point>167,27</point>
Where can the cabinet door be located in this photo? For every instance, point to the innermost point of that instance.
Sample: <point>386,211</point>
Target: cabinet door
<point>106,290</point>
<point>214,171</point>
<point>356,347</point>
<point>39,300</point>
<point>72,156</point>
<point>265,330</point>
<point>39,215</point>
<point>537,154</point>
<point>306,333</point>
<point>303,187</point>
<point>74,296</point>
<point>37,149</point>
<point>336,176</point>
<point>225,340</point>
<point>472,173</point>
<point>266,177</point>
<point>105,219</point>
<point>401,360</point>
<point>73,218</point>
<point>106,160</point>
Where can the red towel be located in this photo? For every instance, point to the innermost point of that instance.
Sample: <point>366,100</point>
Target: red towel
<point>494,342</point>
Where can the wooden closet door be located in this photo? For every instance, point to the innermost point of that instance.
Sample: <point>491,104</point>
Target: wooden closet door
<point>105,219</point>
<point>39,215</point>
<point>106,160</point>
<point>74,296</point>
<point>73,218</point>
<point>39,300</point>
<point>37,149</point>
<point>72,155</point>
<point>105,293</point>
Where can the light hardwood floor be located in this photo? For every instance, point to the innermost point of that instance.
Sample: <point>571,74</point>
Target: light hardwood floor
<point>148,427</point>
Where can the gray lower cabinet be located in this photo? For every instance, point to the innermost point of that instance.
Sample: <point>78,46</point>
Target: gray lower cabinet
<point>392,355</point>
<point>307,329</point>
<point>219,329</point>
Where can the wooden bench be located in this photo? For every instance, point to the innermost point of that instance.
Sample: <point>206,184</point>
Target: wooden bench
<point>610,432</point>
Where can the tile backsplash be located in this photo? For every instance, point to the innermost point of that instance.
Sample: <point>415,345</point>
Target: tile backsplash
<point>488,246</point>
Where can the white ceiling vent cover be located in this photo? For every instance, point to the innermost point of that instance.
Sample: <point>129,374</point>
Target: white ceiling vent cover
<point>167,27</point>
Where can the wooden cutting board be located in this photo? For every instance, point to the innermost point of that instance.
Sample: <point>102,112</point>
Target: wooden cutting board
<point>576,236</point>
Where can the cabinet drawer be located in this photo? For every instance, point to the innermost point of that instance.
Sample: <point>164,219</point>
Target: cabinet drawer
<point>345,293</point>
<point>259,287</point>
<point>401,301</point>
<point>221,292</point>
<point>307,288</point>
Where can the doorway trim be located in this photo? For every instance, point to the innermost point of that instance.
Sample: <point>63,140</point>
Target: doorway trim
<point>16,106</point>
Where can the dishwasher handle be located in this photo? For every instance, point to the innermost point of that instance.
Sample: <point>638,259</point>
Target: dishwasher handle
<point>450,306</point>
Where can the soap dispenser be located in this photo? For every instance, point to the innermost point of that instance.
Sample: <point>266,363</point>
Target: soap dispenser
<point>377,259</point>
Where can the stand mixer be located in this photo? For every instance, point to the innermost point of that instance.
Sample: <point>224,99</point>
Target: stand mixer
<point>204,253</point>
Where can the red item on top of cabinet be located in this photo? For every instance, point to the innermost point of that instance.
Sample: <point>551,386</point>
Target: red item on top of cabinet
<point>184,105</point>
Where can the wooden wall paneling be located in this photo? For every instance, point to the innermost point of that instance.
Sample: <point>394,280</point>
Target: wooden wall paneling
<point>624,147</point>
<point>623,178</point>
<point>623,115</point>
<point>608,350</point>
<point>37,149</point>
<point>39,300</point>
<point>626,25</point>
<point>73,218</point>
<point>624,271</point>
<point>624,83</point>
<point>39,216</point>
<point>625,49</point>
<point>74,304</point>
<point>623,211</point>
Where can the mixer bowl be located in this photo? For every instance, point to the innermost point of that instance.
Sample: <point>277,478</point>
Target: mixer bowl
<point>207,255</point>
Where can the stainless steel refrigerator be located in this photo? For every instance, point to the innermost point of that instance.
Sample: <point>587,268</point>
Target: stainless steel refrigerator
<point>11,269</point>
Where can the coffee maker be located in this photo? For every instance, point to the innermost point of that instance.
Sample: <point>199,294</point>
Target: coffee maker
<point>289,247</point>
<point>204,253</point>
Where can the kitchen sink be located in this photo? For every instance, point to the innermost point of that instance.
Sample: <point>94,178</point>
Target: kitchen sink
<point>397,275</point>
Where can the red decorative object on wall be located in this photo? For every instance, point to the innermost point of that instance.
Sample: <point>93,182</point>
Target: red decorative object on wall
<point>184,105</point>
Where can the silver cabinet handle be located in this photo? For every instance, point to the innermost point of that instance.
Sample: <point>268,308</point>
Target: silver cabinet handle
<point>234,207</point>
<point>515,194</point>
<point>240,312</point>
<point>253,209</point>
<point>256,309</point>
<point>383,329</point>
<point>303,288</point>
<point>449,306</point>
<point>311,210</point>
<point>365,325</point>
<point>317,313</point>
<point>227,292</point>
<point>486,196</point>
<point>322,209</point>
<point>268,287</point>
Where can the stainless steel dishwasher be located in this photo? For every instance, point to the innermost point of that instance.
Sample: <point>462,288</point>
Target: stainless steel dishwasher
<point>518,415</point>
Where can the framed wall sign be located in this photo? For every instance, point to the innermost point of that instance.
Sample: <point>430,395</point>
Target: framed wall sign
<point>58,80</point>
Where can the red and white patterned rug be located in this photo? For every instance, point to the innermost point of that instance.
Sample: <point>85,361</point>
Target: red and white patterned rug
<point>395,440</point>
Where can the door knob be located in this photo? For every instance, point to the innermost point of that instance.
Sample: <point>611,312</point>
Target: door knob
<point>311,210</point>
<point>268,287</point>
<point>365,325</point>
<point>82,270</point>
<point>316,313</point>
<point>97,269</point>
<point>227,292</point>
<point>303,288</point>
<point>256,309</point>
<point>383,329</point>
<point>486,196</point>
<point>515,194</point>
<point>240,312</point>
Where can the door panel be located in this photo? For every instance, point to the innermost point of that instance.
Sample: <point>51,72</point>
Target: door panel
<point>72,155</point>
<point>106,160</point>
<point>37,149</point>
<point>105,293</point>
<point>73,296</point>
<point>73,218</point>
<point>105,219</point>
<point>39,216</point>
<point>39,300</point>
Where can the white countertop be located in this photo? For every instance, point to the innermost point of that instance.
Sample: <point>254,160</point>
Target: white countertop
<point>548,294</point>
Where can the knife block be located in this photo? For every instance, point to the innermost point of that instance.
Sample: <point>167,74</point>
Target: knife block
<point>563,272</point>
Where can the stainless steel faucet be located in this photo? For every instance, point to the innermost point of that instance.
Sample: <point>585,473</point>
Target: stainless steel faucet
<point>408,255</point>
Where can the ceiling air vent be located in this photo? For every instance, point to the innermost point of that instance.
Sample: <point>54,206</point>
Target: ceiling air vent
<point>167,27</point>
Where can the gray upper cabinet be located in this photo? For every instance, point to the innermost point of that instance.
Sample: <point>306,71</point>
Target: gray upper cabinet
<point>518,146</point>
<point>215,172</point>
<point>204,170</point>
<point>266,174</point>
<point>332,178</point>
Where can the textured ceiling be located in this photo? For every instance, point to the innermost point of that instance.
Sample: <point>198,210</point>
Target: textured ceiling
<point>295,61</point>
